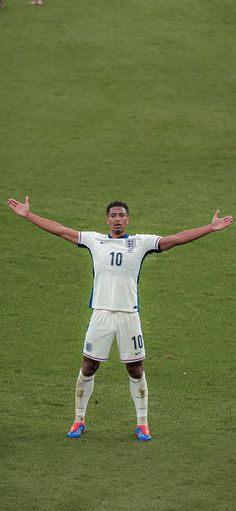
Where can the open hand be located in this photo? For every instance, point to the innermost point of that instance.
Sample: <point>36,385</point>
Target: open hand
<point>221,223</point>
<point>19,208</point>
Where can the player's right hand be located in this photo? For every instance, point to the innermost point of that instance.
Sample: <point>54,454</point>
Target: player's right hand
<point>19,208</point>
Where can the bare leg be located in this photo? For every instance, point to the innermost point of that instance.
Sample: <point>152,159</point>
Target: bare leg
<point>89,366</point>
<point>135,369</point>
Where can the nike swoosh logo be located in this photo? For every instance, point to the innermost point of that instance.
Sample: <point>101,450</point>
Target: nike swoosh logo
<point>138,352</point>
<point>102,242</point>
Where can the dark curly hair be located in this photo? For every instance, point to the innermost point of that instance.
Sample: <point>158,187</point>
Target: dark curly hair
<point>117,204</point>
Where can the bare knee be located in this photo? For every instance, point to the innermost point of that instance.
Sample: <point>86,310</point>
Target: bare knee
<point>135,369</point>
<point>89,366</point>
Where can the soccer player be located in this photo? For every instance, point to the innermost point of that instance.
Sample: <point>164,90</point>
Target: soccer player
<point>117,260</point>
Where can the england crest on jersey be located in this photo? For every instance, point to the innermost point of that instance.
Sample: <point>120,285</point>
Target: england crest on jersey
<point>130,244</point>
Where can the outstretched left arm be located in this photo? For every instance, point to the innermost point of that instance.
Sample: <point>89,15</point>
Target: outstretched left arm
<point>183,237</point>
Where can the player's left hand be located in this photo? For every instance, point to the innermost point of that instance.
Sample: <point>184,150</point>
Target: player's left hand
<point>221,223</point>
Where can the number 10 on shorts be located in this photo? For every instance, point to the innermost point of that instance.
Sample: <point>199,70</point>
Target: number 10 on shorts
<point>138,342</point>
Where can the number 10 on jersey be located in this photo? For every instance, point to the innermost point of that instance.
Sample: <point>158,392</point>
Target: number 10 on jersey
<point>116,258</point>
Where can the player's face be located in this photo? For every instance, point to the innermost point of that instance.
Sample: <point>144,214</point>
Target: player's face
<point>117,219</point>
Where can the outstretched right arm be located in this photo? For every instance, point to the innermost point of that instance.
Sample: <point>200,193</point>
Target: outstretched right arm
<point>48,225</point>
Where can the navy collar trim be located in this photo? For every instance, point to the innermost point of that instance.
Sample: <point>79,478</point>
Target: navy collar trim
<point>120,237</point>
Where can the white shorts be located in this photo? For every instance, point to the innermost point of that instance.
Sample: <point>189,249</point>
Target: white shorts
<point>104,326</point>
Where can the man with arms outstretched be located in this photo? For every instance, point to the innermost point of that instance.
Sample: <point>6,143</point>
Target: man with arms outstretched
<point>117,259</point>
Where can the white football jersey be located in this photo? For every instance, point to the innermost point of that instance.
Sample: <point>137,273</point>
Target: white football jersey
<point>116,267</point>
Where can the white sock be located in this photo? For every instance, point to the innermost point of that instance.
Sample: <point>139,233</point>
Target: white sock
<point>83,391</point>
<point>139,393</point>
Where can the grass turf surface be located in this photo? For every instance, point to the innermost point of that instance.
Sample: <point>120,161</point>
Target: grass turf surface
<point>99,101</point>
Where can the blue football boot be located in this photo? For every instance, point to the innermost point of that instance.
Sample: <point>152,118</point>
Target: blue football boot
<point>76,430</point>
<point>142,433</point>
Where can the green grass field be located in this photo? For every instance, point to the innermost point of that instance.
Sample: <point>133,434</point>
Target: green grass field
<point>131,100</point>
